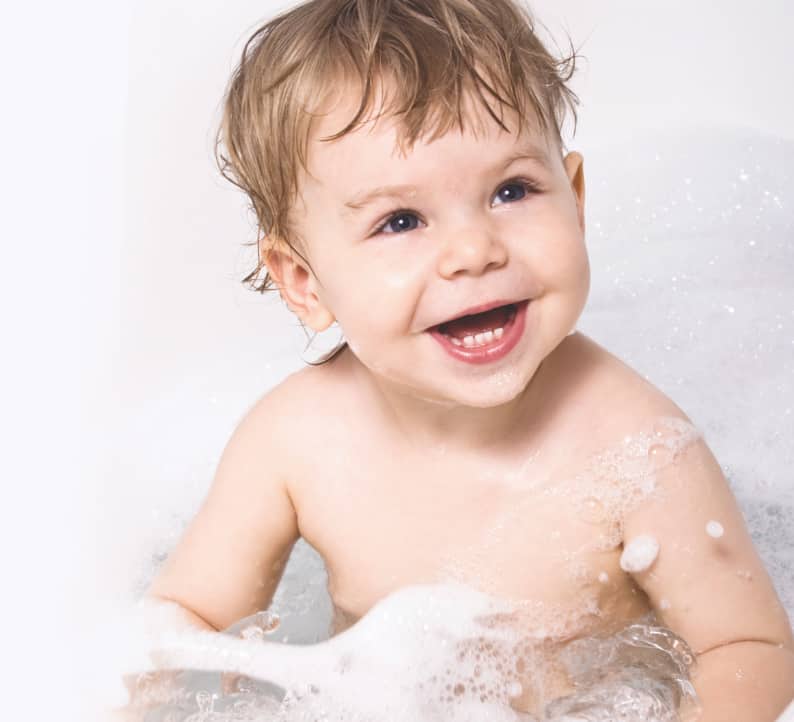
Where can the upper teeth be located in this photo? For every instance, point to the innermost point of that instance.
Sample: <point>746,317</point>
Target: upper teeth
<point>480,339</point>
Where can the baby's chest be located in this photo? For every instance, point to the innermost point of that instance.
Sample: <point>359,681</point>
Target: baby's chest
<point>554,555</point>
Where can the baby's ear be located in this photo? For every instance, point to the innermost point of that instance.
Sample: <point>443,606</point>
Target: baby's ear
<point>574,168</point>
<point>296,283</point>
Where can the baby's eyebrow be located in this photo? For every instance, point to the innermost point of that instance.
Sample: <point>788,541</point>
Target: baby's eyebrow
<point>528,151</point>
<point>363,199</point>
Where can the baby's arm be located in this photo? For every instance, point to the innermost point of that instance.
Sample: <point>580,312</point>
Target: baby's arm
<point>232,556</point>
<point>717,594</point>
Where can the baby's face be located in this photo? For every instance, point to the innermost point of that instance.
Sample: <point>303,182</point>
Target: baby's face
<point>400,244</point>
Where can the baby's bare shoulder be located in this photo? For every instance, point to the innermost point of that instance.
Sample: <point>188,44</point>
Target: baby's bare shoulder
<point>291,397</point>
<point>297,410</point>
<point>619,397</point>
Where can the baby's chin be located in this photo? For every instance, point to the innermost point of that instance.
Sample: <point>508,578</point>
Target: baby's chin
<point>490,391</point>
<point>496,389</point>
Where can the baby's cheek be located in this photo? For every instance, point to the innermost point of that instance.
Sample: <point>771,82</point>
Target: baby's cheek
<point>397,278</point>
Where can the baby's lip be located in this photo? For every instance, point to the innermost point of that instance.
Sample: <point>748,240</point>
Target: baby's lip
<point>479,309</point>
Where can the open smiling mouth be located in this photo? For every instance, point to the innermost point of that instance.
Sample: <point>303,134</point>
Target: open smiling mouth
<point>483,337</point>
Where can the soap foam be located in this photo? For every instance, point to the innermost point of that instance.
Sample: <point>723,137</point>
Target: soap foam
<point>639,554</point>
<point>427,652</point>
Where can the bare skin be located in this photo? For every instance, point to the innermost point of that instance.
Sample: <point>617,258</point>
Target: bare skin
<point>376,501</point>
<point>455,518</point>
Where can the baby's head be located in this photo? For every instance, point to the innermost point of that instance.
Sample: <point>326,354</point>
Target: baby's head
<point>457,108</point>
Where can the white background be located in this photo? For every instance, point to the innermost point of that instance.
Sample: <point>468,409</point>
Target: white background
<point>123,247</point>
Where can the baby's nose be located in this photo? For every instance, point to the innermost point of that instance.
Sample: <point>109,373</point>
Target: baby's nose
<point>472,251</point>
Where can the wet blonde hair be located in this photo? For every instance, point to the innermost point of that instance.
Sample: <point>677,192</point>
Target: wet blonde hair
<point>430,53</point>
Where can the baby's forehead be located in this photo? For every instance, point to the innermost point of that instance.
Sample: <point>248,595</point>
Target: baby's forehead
<point>334,145</point>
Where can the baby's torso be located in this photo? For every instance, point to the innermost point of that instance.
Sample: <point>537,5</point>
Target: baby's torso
<point>392,524</point>
<point>533,526</point>
<point>519,525</point>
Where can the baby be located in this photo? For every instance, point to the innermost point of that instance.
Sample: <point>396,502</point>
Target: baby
<point>465,431</point>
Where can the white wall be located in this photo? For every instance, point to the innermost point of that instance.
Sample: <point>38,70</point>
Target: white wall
<point>63,71</point>
<point>674,63</point>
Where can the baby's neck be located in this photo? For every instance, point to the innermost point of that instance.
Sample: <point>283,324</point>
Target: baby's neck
<point>435,423</point>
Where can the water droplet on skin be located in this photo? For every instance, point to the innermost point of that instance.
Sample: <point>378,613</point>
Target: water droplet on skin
<point>714,529</point>
<point>664,605</point>
<point>659,454</point>
<point>603,577</point>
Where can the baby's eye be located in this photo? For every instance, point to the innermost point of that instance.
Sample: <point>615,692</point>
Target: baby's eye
<point>524,187</point>
<point>399,222</point>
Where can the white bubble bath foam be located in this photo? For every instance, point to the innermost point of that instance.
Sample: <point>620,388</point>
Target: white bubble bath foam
<point>691,242</point>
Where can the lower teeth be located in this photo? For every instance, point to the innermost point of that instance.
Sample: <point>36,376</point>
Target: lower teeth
<point>459,341</point>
